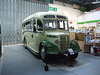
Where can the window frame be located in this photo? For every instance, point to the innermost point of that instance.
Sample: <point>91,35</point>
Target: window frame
<point>48,24</point>
<point>63,25</point>
<point>28,23</point>
<point>41,24</point>
<point>58,24</point>
<point>23,26</point>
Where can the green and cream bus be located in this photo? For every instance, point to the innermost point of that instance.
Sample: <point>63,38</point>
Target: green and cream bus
<point>47,33</point>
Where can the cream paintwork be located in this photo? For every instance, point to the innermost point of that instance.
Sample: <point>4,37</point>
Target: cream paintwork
<point>34,42</point>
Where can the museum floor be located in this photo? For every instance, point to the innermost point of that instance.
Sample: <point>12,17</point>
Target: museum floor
<point>17,60</point>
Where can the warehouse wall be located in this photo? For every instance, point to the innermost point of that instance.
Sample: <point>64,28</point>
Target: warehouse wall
<point>68,10</point>
<point>89,16</point>
<point>89,19</point>
<point>12,12</point>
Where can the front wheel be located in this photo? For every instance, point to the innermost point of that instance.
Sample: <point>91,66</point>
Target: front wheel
<point>43,54</point>
<point>73,57</point>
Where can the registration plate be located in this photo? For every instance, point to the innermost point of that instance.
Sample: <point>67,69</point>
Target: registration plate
<point>71,51</point>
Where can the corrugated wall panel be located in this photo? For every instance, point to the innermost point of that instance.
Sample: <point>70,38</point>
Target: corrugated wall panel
<point>12,13</point>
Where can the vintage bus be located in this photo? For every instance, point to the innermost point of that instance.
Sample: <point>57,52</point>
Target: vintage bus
<point>48,33</point>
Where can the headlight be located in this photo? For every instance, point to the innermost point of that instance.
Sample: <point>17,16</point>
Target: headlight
<point>57,41</point>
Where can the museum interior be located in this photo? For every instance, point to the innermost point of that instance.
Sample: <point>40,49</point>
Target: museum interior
<point>49,37</point>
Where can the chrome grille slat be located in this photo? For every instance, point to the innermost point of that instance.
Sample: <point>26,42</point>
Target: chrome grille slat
<point>64,42</point>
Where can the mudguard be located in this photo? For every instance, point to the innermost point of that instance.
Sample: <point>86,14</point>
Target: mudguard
<point>75,46</point>
<point>50,47</point>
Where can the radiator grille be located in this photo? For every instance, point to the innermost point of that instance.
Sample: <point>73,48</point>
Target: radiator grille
<point>64,42</point>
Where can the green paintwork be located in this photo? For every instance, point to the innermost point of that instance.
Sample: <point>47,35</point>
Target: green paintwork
<point>50,46</point>
<point>75,46</point>
<point>52,9</point>
<point>88,21</point>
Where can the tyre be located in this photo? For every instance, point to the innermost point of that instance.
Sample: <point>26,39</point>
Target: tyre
<point>43,54</point>
<point>73,57</point>
<point>25,43</point>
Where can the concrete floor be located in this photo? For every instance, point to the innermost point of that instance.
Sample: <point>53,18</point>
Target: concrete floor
<point>17,60</point>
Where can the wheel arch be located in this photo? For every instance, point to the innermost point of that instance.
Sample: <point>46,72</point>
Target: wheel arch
<point>41,44</point>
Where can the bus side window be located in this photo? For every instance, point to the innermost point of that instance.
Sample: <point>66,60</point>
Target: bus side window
<point>34,24</point>
<point>28,25</point>
<point>23,26</point>
<point>31,25</point>
<point>39,25</point>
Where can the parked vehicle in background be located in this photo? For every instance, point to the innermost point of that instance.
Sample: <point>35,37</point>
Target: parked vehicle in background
<point>48,33</point>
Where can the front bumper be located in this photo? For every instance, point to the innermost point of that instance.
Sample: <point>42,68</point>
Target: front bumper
<point>65,52</point>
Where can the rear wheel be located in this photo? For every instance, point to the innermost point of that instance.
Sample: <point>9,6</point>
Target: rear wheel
<point>25,43</point>
<point>73,57</point>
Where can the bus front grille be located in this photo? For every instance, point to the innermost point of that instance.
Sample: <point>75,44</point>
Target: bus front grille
<point>64,42</point>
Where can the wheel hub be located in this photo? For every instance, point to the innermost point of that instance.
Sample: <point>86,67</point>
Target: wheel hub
<point>42,53</point>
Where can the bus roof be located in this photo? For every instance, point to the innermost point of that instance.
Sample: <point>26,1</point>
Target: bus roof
<point>41,14</point>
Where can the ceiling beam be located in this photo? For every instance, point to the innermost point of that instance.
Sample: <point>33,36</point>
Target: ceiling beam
<point>73,1</point>
<point>79,2</point>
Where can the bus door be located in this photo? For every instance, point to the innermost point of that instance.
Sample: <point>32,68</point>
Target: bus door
<point>37,34</point>
<point>27,32</point>
<point>33,35</point>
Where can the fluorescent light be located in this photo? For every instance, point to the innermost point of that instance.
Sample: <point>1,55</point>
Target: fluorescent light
<point>96,2</point>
